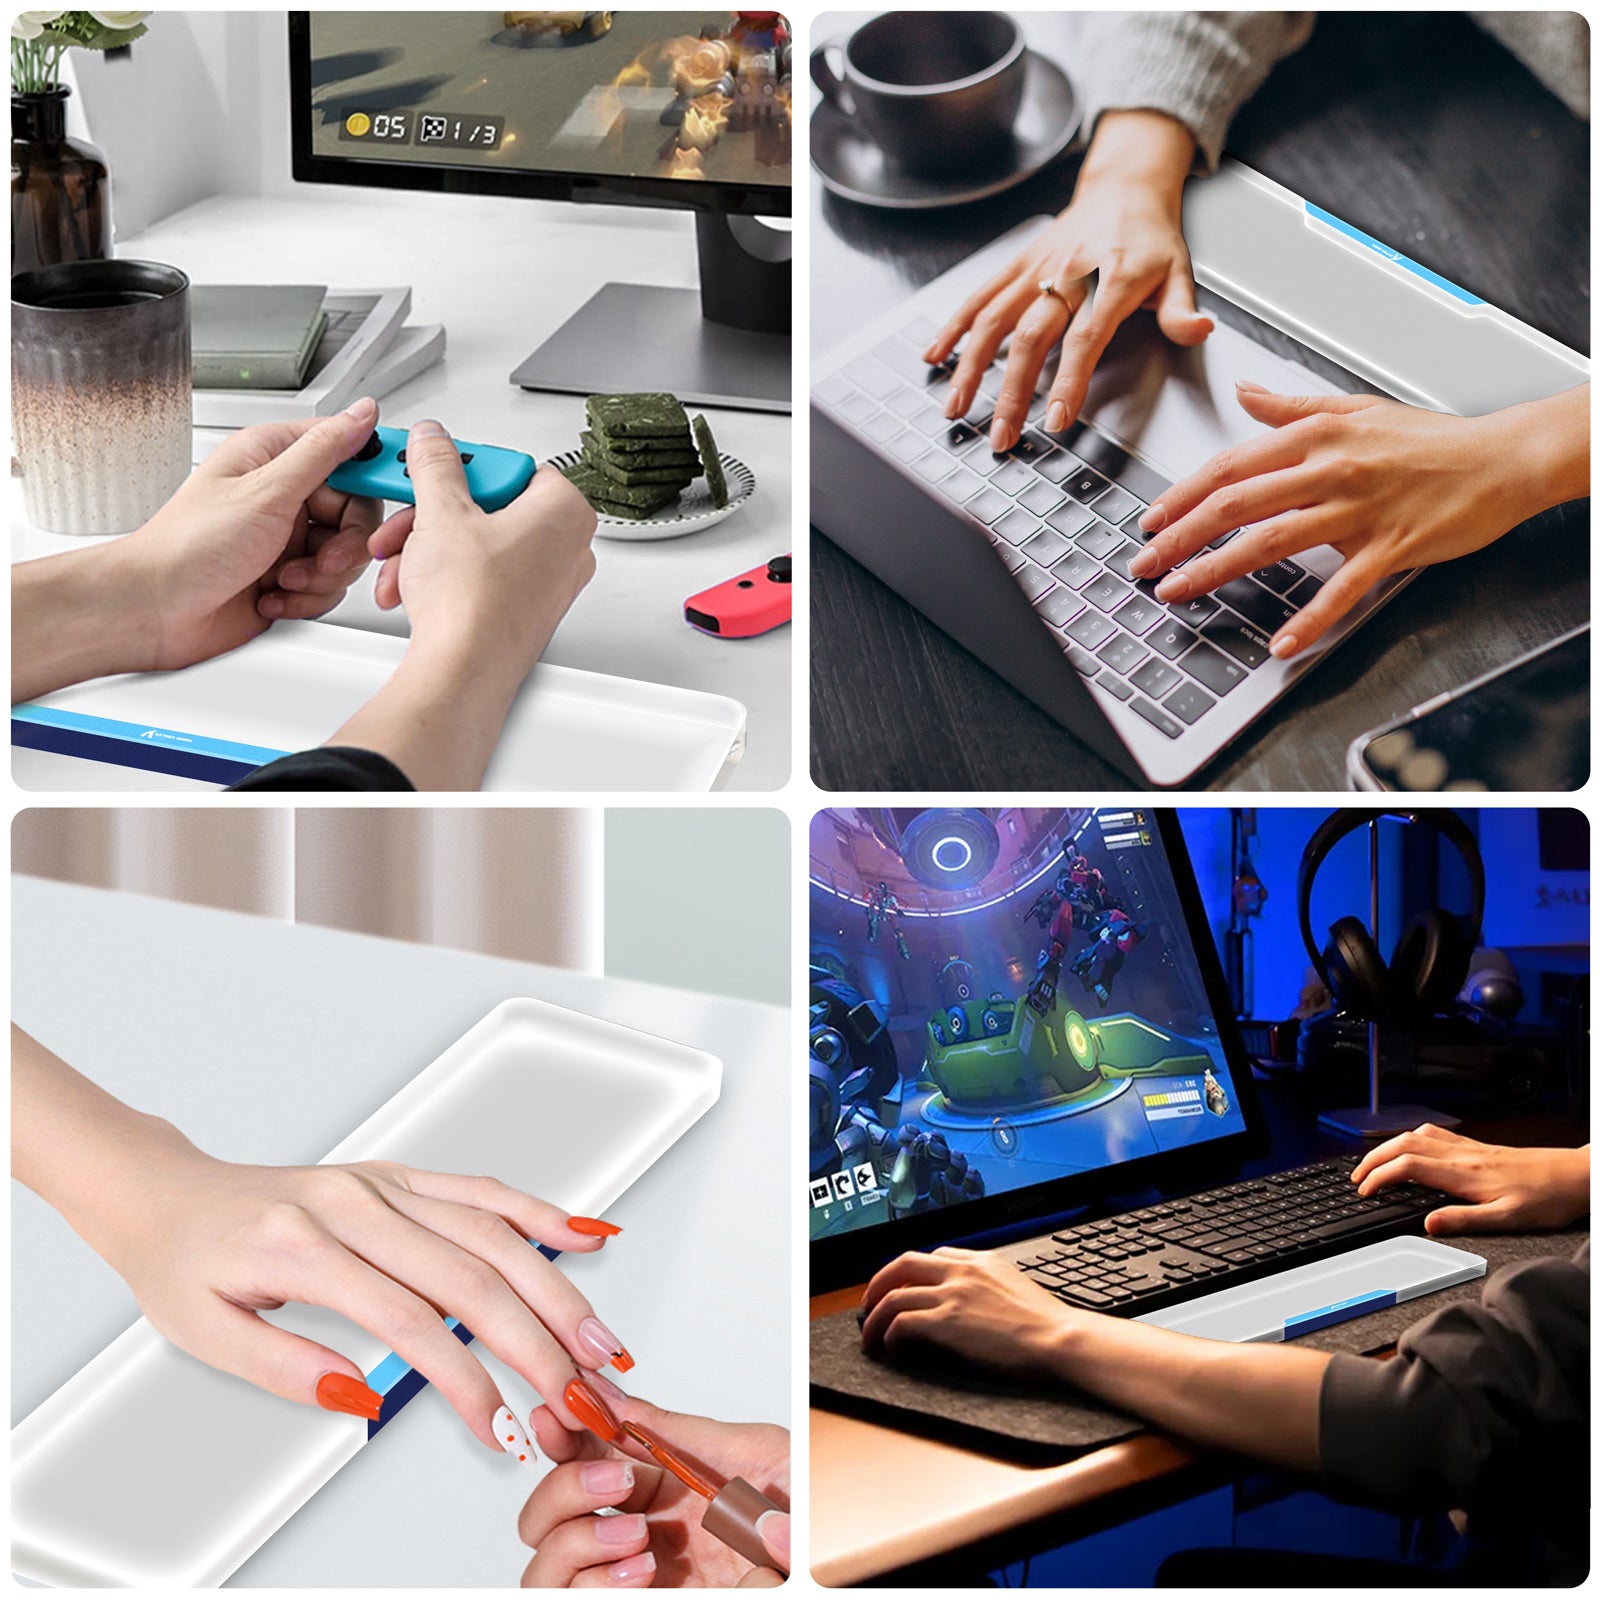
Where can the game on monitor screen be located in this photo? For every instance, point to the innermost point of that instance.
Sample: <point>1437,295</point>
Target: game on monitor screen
<point>696,98</point>
<point>1000,998</point>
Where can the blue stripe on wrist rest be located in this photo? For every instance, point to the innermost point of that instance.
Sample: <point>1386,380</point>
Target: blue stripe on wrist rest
<point>136,744</point>
<point>1391,254</point>
<point>1340,1311</point>
<point>398,1381</point>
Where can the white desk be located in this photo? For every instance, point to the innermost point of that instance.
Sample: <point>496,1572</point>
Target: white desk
<point>268,1043</point>
<point>501,275</point>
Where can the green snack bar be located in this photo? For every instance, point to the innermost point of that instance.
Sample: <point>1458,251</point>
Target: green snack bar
<point>598,489</point>
<point>685,462</point>
<point>712,462</point>
<point>637,416</point>
<point>631,449</point>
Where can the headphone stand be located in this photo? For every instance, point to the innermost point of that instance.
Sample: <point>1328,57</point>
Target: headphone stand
<point>1373,1121</point>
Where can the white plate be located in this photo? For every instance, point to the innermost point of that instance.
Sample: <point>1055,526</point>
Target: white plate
<point>689,513</point>
<point>151,1470</point>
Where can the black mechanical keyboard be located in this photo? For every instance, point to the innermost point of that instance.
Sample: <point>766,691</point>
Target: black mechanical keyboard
<point>1173,1251</point>
<point>1063,512</point>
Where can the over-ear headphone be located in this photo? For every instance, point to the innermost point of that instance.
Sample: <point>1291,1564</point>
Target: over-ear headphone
<point>1431,957</point>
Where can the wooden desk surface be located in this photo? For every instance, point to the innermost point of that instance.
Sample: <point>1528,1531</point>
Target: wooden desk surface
<point>1473,169</point>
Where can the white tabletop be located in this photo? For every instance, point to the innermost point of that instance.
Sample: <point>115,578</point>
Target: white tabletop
<point>268,1042</point>
<point>502,275</point>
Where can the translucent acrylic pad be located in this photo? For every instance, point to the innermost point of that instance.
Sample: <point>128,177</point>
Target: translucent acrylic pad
<point>1290,1304</point>
<point>295,686</point>
<point>1363,304</point>
<point>149,1469</point>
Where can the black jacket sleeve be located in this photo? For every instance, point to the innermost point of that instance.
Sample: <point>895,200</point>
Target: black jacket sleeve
<point>1483,1408</point>
<point>331,767</point>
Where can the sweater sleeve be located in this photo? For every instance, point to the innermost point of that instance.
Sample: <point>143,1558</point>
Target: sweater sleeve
<point>332,767</point>
<point>1198,67</point>
<point>1485,1404</point>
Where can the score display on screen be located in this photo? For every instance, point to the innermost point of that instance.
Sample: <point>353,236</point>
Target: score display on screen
<point>443,129</point>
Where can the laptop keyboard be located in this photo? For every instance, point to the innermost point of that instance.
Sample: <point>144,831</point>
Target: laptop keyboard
<point>1135,1262</point>
<point>1063,512</point>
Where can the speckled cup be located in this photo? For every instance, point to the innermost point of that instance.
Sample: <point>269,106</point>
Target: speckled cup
<point>101,392</point>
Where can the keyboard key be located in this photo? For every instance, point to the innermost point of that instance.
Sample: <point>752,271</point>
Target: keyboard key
<point>1040,496</point>
<point>856,408</point>
<point>1188,702</point>
<point>989,505</point>
<point>1047,547</point>
<point>1213,669</point>
<point>1014,559</point>
<point>1013,476</point>
<point>1114,687</point>
<point>906,402</point>
<point>908,446</point>
<point>1035,581</point>
<point>1118,561</point>
<point>1245,645</point>
<point>1058,466</point>
<point>1070,518</point>
<point>1083,664</point>
<point>868,373</point>
<point>1031,446</point>
<point>980,414</point>
<point>1139,615</point>
<point>960,485</point>
<point>1117,505</point>
<point>1090,629</point>
<point>1087,484</point>
<point>1194,611</point>
<point>1017,527</point>
<point>1155,678</point>
<point>931,422</point>
<point>1106,591</point>
<point>1281,576</point>
<point>1122,654</point>
<point>1075,570</point>
<point>883,427</point>
<point>1170,639</point>
<point>1256,605</point>
<point>933,466</point>
<point>1059,607</point>
<point>1098,539</point>
<point>1306,590</point>
<point>1157,718</point>
<point>901,359</point>
<point>831,390</point>
<point>958,438</point>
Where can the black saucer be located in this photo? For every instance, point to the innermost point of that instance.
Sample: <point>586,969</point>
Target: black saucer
<point>852,167</point>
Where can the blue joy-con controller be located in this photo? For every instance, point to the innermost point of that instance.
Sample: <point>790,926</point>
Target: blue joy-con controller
<point>495,477</point>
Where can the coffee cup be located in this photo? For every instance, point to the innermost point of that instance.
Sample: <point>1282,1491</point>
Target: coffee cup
<point>101,392</point>
<point>937,91</point>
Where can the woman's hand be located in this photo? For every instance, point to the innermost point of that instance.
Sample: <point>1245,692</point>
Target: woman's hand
<point>205,1244</point>
<point>488,585</point>
<point>969,1301</point>
<point>1389,486</point>
<point>658,1539</point>
<point>1507,1190</point>
<point>254,535</point>
<point>1124,223</point>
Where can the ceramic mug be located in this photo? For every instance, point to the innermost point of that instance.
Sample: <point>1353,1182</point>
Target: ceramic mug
<point>936,91</point>
<point>101,392</point>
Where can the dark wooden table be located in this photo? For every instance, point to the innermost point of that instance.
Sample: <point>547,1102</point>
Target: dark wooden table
<point>1417,128</point>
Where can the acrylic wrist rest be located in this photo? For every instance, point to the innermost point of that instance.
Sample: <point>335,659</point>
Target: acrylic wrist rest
<point>1290,1304</point>
<point>1362,303</point>
<point>150,1469</point>
<point>296,685</point>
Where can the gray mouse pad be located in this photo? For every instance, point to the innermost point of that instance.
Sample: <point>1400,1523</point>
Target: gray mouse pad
<point>1022,1421</point>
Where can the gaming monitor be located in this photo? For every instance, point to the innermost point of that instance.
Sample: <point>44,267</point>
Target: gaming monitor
<point>1013,1011</point>
<point>675,109</point>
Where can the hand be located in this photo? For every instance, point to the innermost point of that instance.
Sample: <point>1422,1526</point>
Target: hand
<point>658,1540</point>
<point>970,1301</point>
<point>1125,222</point>
<point>254,535</point>
<point>1389,486</point>
<point>491,586</point>
<point>1507,1190</point>
<point>205,1244</point>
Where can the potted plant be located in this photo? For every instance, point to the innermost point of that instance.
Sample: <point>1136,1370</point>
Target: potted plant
<point>60,188</point>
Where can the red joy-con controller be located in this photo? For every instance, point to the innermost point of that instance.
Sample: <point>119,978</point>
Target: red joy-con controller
<point>742,607</point>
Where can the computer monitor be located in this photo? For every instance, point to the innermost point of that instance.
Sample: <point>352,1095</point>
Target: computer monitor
<point>681,109</point>
<point>1013,1011</point>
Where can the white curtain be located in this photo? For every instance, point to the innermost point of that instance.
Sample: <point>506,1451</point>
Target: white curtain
<point>527,883</point>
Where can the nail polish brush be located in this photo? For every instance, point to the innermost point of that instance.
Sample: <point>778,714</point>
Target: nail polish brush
<point>731,1512</point>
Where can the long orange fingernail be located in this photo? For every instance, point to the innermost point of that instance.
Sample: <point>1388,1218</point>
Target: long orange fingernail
<point>338,1392</point>
<point>593,1226</point>
<point>592,1411</point>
